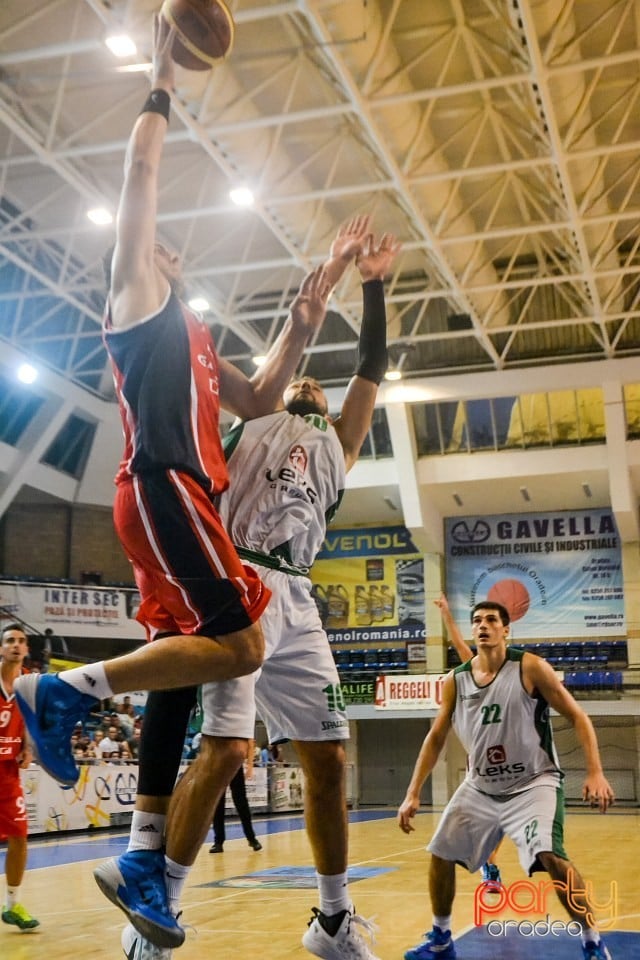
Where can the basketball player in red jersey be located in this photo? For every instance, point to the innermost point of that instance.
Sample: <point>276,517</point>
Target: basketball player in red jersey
<point>14,753</point>
<point>199,602</point>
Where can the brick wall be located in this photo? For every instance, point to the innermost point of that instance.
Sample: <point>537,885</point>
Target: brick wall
<point>61,540</point>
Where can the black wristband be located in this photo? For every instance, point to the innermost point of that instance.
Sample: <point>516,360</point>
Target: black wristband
<point>158,101</point>
<point>372,345</point>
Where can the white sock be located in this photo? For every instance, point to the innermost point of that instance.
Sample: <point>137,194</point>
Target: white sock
<point>90,679</point>
<point>13,896</point>
<point>444,923</point>
<point>147,831</point>
<point>175,875</point>
<point>333,893</point>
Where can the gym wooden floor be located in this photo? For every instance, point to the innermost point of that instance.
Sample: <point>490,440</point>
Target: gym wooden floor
<point>267,921</point>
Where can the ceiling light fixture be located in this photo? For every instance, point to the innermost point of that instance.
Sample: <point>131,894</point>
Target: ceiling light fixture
<point>134,68</point>
<point>394,374</point>
<point>242,196</point>
<point>26,373</point>
<point>259,361</point>
<point>100,216</point>
<point>121,46</point>
<point>525,494</point>
<point>199,304</point>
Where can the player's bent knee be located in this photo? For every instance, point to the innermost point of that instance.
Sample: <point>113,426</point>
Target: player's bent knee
<point>245,649</point>
<point>221,752</point>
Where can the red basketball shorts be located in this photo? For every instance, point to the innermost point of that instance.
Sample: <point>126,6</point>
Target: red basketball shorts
<point>13,812</point>
<point>189,575</point>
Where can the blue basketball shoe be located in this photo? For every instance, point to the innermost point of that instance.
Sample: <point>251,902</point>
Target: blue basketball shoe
<point>595,951</point>
<point>51,708</point>
<point>135,883</point>
<point>437,943</point>
<point>491,874</point>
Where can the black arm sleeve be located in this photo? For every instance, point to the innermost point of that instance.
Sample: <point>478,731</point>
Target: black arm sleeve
<point>372,346</point>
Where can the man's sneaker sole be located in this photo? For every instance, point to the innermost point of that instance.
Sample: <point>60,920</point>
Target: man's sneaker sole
<point>135,947</point>
<point>109,879</point>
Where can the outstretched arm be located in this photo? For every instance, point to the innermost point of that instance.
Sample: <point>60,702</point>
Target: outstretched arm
<point>262,394</point>
<point>137,286</point>
<point>428,756</point>
<point>346,247</point>
<point>454,633</point>
<point>374,262</point>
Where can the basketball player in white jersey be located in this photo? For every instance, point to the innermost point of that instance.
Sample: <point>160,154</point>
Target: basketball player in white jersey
<point>287,474</point>
<point>498,704</point>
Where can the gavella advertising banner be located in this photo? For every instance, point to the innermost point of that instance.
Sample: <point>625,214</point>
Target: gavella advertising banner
<point>558,574</point>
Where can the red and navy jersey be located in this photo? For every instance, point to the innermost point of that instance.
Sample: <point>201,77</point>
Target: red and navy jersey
<point>12,732</point>
<point>166,377</point>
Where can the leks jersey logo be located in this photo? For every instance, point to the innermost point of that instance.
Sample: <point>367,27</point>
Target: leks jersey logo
<point>497,765</point>
<point>298,458</point>
<point>496,754</point>
<point>292,478</point>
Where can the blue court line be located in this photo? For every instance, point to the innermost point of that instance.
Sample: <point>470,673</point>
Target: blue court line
<point>51,849</point>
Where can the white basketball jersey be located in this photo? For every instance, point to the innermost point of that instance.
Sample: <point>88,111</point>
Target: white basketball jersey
<point>286,480</point>
<point>506,733</point>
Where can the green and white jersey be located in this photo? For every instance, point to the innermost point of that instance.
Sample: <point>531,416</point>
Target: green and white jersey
<point>286,480</point>
<point>505,731</point>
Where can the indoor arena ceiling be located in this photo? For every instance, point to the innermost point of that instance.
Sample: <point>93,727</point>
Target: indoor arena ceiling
<point>498,139</point>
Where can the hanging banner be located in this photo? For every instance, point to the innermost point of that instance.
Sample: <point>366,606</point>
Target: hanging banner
<point>104,796</point>
<point>73,611</point>
<point>558,574</point>
<point>368,585</point>
<point>410,692</point>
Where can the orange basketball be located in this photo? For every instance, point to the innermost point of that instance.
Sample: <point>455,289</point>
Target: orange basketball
<point>204,31</point>
<point>513,595</point>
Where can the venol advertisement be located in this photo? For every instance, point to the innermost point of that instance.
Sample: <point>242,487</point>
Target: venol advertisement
<point>368,585</point>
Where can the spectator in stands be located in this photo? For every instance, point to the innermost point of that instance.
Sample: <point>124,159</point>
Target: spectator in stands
<point>110,745</point>
<point>127,719</point>
<point>194,746</point>
<point>93,749</point>
<point>134,741</point>
<point>54,645</point>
